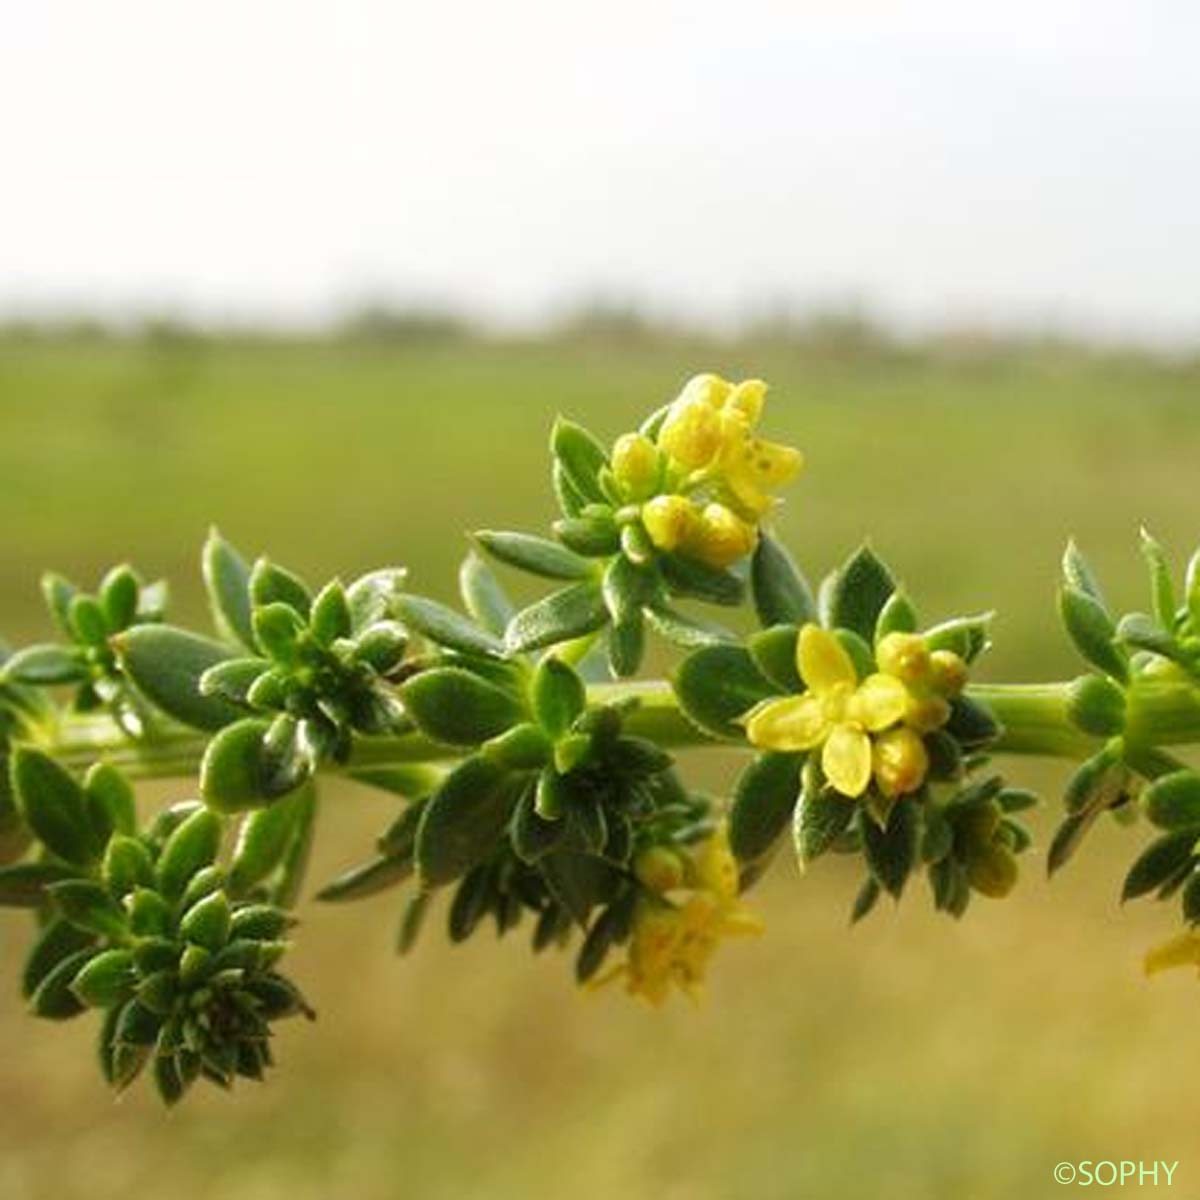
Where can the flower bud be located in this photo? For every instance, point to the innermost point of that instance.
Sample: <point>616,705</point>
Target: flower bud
<point>746,400</point>
<point>670,521</point>
<point>926,712</point>
<point>899,762</point>
<point>691,433</point>
<point>904,655</point>
<point>948,672</point>
<point>636,465</point>
<point>993,871</point>
<point>721,537</point>
<point>659,868</point>
<point>1097,706</point>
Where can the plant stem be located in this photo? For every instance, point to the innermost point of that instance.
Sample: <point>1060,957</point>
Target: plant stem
<point>1034,716</point>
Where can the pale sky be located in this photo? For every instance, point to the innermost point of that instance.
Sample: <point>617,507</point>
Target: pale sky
<point>944,162</point>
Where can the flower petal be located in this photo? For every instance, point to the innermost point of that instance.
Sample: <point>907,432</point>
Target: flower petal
<point>1183,950</point>
<point>822,660</point>
<point>846,760</point>
<point>791,724</point>
<point>881,700</point>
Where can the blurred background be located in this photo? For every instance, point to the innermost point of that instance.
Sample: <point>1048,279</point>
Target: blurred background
<point>323,274</point>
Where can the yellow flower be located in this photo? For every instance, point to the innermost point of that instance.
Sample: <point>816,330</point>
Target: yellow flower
<point>837,713</point>
<point>636,465</point>
<point>710,427</point>
<point>1183,950</point>
<point>719,537</point>
<point>672,940</point>
<point>669,521</point>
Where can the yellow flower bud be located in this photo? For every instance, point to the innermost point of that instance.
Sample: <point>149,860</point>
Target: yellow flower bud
<point>947,672</point>
<point>926,712</point>
<point>636,465</point>
<point>710,388</point>
<point>993,871</point>
<point>746,400</point>
<point>721,537</point>
<point>899,762</point>
<point>670,521</point>
<point>660,869</point>
<point>905,656</point>
<point>691,433</point>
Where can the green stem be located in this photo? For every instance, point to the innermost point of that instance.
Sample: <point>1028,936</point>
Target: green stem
<point>1034,716</point>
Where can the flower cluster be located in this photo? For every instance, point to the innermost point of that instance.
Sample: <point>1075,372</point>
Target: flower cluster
<point>868,727</point>
<point>689,903</point>
<point>706,480</point>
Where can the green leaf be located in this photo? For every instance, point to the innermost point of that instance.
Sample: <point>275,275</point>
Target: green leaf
<point>595,534</point>
<point>368,879</point>
<point>774,653</point>
<point>54,1000</point>
<point>762,806</point>
<point>891,853</point>
<point>45,665</point>
<point>1068,837</point>
<point>278,628</point>
<point>233,772</point>
<point>107,979</point>
<point>822,816</point>
<point>1162,590</point>
<point>233,678</point>
<point>687,631</point>
<point>87,621</point>
<point>330,618</point>
<point>967,637</point>
<point>1143,632</point>
<point>23,885</point>
<point>688,578</point>
<point>463,820</point>
<point>626,645</point>
<point>127,865</point>
<point>372,597</point>
<point>577,881</point>
<point>532,835</point>
<point>58,940</point>
<point>559,617</point>
<point>262,841</point>
<point>446,627</point>
<point>484,597</point>
<point>866,899</point>
<point>107,789</point>
<point>718,685</point>
<point>191,847</point>
<point>626,588</point>
<point>58,594</point>
<point>896,616</point>
<point>118,596</point>
<point>1192,589</point>
<point>472,898</point>
<point>558,696</point>
<point>860,590</point>
<point>781,593</point>
<point>971,723</point>
<point>166,664</point>
<point>382,646</point>
<point>1158,862</point>
<point>580,458</point>
<point>227,580</point>
<point>1173,801</point>
<point>1079,575</point>
<point>271,584</point>
<point>538,555</point>
<point>1092,631</point>
<point>207,922</point>
<point>53,806</point>
<point>89,906</point>
<point>457,708</point>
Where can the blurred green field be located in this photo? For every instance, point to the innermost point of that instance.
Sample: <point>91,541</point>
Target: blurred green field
<point>910,1057</point>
